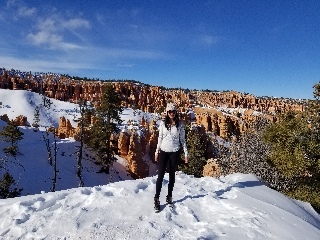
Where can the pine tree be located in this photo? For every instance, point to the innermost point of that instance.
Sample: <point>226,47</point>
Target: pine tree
<point>83,123</point>
<point>295,150</point>
<point>46,102</point>
<point>6,183</point>
<point>196,152</point>
<point>313,115</point>
<point>11,134</point>
<point>250,154</point>
<point>107,119</point>
<point>46,140</point>
<point>55,169</point>
<point>290,144</point>
<point>36,118</point>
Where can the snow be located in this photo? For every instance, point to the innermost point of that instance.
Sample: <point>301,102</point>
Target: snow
<point>234,207</point>
<point>237,206</point>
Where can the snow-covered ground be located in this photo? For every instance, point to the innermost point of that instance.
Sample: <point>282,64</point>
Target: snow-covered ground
<point>237,206</point>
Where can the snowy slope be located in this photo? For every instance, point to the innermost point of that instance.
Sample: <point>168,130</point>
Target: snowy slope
<point>235,207</point>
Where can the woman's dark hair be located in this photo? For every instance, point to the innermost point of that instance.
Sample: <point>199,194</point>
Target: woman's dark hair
<point>167,121</point>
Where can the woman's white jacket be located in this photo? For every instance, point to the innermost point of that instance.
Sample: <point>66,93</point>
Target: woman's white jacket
<point>170,140</point>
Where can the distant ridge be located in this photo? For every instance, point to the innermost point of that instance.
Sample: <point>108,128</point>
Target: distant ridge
<point>25,75</point>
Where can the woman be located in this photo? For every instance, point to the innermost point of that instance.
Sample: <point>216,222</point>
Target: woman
<point>171,136</point>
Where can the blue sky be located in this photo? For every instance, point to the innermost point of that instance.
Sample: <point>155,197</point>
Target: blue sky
<point>267,48</point>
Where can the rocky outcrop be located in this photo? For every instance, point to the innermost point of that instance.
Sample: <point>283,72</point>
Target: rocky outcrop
<point>123,143</point>
<point>65,129</point>
<point>226,124</point>
<point>21,121</point>
<point>153,139</point>
<point>211,169</point>
<point>136,166</point>
<point>18,121</point>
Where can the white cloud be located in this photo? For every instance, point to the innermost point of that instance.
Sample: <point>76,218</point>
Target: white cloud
<point>95,58</point>
<point>26,12</point>
<point>48,24</point>
<point>126,65</point>
<point>76,23</point>
<point>54,30</point>
<point>12,3</point>
<point>43,37</point>
<point>45,65</point>
<point>54,41</point>
<point>20,8</point>
<point>51,32</point>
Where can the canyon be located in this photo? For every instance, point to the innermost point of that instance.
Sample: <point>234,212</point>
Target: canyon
<point>224,113</point>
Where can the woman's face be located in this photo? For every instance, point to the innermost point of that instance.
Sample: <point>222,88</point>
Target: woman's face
<point>171,113</point>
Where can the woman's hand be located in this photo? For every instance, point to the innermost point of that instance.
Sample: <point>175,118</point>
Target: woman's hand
<point>156,157</point>
<point>186,160</point>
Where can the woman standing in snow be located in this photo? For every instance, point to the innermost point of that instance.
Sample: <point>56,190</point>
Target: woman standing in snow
<point>171,135</point>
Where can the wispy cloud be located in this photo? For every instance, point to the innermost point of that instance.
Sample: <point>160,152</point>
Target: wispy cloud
<point>54,41</point>
<point>95,59</point>
<point>49,65</point>
<point>125,53</point>
<point>126,65</point>
<point>12,3</point>
<point>75,23</point>
<point>63,41</point>
<point>48,28</point>
<point>51,32</point>
<point>25,11</point>
<point>20,8</point>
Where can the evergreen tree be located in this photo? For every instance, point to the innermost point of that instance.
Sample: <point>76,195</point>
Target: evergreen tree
<point>135,109</point>
<point>46,140</point>
<point>107,119</point>
<point>6,183</point>
<point>222,155</point>
<point>290,145</point>
<point>295,150</point>
<point>196,149</point>
<point>83,123</point>
<point>11,134</point>
<point>36,118</point>
<point>250,154</point>
<point>55,169</point>
<point>46,102</point>
<point>313,114</point>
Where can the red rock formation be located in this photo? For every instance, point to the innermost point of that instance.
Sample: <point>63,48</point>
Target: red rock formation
<point>153,139</point>
<point>123,143</point>
<point>21,121</point>
<point>136,166</point>
<point>65,129</point>
<point>211,169</point>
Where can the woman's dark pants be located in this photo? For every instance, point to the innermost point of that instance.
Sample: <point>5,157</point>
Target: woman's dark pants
<point>167,160</point>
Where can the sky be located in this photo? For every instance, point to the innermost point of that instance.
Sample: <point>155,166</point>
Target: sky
<point>265,47</point>
<point>236,206</point>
